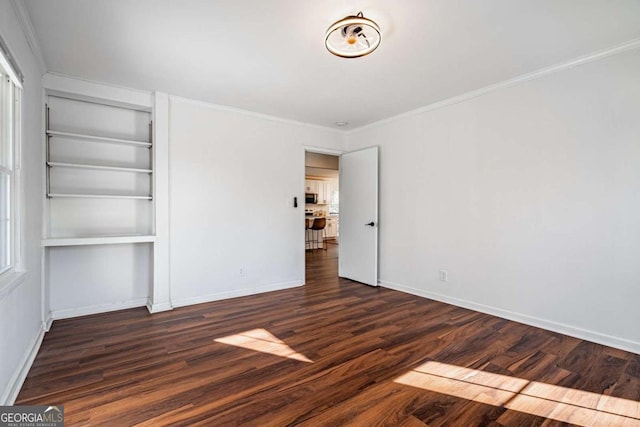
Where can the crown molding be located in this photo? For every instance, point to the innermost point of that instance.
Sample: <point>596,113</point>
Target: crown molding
<point>29,33</point>
<point>255,114</point>
<point>594,56</point>
<point>58,84</point>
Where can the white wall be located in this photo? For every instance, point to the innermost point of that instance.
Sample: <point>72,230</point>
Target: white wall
<point>528,195</point>
<point>232,180</point>
<point>21,307</point>
<point>97,278</point>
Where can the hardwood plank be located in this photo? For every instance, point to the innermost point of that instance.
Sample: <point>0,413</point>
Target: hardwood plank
<point>133,368</point>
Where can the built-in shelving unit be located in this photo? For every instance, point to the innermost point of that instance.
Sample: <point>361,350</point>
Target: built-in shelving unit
<point>99,219</point>
<point>99,166</point>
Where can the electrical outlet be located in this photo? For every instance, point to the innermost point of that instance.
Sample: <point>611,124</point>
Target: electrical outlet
<point>443,275</point>
<point>242,272</point>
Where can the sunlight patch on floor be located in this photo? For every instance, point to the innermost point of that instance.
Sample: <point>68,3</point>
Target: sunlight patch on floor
<point>546,400</point>
<point>263,341</point>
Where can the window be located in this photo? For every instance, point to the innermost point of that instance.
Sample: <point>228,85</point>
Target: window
<point>10,93</point>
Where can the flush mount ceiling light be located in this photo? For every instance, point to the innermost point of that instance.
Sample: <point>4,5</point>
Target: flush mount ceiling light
<point>352,37</point>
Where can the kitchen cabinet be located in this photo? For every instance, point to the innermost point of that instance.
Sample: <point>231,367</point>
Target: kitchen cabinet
<point>318,187</point>
<point>326,192</point>
<point>322,198</point>
<point>311,186</point>
<point>324,189</point>
<point>332,227</point>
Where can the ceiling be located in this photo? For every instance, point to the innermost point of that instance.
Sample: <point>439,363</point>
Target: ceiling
<point>269,56</point>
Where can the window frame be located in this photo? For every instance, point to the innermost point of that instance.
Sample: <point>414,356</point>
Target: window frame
<point>11,111</point>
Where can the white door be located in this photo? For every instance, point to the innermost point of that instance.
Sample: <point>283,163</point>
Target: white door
<point>358,256</point>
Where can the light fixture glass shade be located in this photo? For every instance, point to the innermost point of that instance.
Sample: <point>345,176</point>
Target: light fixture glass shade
<point>352,36</point>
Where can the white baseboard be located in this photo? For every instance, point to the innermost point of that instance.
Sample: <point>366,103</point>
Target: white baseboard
<point>46,325</point>
<point>15,383</point>
<point>95,309</point>
<point>157,308</point>
<point>549,325</point>
<point>181,302</point>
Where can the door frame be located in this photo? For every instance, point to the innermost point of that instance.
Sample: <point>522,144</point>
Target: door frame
<point>311,149</point>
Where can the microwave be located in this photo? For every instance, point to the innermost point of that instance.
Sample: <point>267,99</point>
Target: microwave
<point>311,198</point>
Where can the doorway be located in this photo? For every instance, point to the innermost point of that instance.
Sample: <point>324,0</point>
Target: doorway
<point>321,215</point>
<point>355,235</point>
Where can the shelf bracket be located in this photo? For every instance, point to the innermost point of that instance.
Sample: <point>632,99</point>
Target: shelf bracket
<point>47,155</point>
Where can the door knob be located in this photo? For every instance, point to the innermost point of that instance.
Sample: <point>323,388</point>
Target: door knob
<point>371,224</point>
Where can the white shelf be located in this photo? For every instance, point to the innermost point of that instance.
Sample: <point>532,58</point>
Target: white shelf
<point>94,138</point>
<point>97,167</point>
<point>112,200</point>
<point>97,196</point>
<point>97,240</point>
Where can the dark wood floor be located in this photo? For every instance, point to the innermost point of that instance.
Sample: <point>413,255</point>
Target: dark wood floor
<point>333,353</point>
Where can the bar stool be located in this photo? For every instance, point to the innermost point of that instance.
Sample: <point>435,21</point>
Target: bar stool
<point>319,225</point>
